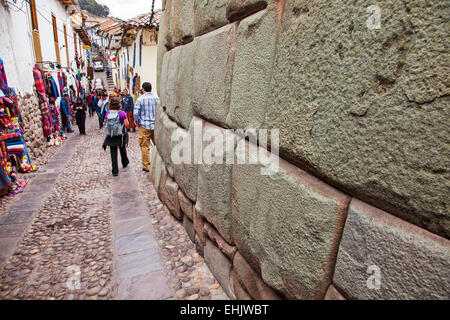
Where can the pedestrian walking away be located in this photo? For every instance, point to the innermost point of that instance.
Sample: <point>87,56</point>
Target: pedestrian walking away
<point>102,107</point>
<point>116,134</point>
<point>80,114</point>
<point>128,107</point>
<point>144,116</point>
<point>65,113</point>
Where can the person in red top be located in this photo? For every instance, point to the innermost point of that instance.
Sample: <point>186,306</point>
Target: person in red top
<point>90,103</point>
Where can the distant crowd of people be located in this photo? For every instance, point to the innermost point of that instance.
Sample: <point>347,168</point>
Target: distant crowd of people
<point>118,113</point>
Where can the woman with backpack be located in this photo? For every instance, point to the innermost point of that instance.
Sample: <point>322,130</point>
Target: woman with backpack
<point>116,134</point>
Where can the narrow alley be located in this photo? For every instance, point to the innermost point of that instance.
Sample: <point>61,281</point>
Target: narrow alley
<point>77,232</point>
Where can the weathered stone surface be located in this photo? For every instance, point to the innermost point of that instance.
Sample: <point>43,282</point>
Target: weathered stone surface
<point>238,9</point>
<point>160,175</point>
<point>189,227</point>
<point>163,138</point>
<point>186,205</point>
<point>366,110</point>
<point>333,294</point>
<point>182,21</point>
<point>186,172</point>
<point>153,161</point>
<point>213,74</point>
<point>199,226</point>
<point>220,267</point>
<point>184,111</point>
<point>170,96</point>
<point>287,226</point>
<point>251,281</point>
<point>214,182</point>
<point>238,290</point>
<point>412,262</point>
<point>255,52</point>
<point>171,198</point>
<point>164,30</point>
<point>215,237</point>
<point>209,15</point>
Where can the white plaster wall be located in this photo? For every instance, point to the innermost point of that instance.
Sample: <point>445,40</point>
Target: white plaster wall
<point>16,48</point>
<point>17,45</point>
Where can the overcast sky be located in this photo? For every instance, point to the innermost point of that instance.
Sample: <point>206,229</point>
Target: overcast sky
<point>126,9</point>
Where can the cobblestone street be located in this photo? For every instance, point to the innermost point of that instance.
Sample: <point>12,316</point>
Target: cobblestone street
<point>77,232</point>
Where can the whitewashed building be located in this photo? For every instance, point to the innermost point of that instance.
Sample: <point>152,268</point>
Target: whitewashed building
<point>49,33</point>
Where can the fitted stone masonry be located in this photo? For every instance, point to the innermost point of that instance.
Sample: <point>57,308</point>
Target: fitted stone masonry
<point>361,191</point>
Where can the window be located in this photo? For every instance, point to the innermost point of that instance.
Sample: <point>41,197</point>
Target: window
<point>67,47</point>
<point>140,50</point>
<point>55,36</point>
<point>35,33</point>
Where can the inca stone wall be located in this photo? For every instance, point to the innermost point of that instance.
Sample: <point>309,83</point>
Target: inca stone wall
<point>359,207</point>
<point>32,125</point>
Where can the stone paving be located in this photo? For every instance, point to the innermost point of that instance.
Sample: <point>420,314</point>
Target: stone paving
<point>77,232</point>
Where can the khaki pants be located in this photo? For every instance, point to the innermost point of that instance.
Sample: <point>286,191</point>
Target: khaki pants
<point>144,141</point>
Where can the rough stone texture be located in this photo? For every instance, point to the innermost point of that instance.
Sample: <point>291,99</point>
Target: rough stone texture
<point>189,227</point>
<point>215,237</point>
<point>184,111</point>
<point>186,173</point>
<point>366,110</point>
<point>287,226</point>
<point>255,51</point>
<point>159,175</point>
<point>182,21</point>
<point>32,124</point>
<point>413,263</point>
<point>251,281</point>
<point>163,137</point>
<point>170,198</point>
<point>199,227</point>
<point>209,15</point>
<point>214,186</point>
<point>213,73</point>
<point>333,294</point>
<point>220,267</point>
<point>186,205</point>
<point>239,291</point>
<point>170,81</point>
<point>163,34</point>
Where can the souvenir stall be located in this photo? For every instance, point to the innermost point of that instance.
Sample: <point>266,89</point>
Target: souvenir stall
<point>14,155</point>
<point>48,94</point>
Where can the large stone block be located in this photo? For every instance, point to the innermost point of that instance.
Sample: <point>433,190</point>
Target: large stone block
<point>333,294</point>
<point>365,109</point>
<point>171,81</point>
<point>211,15</point>
<point>220,267</point>
<point>164,129</point>
<point>164,28</point>
<point>238,9</point>
<point>186,170</point>
<point>384,257</point>
<point>287,225</point>
<point>213,74</point>
<point>251,281</point>
<point>183,21</point>
<point>214,181</point>
<point>199,223</point>
<point>189,227</point>
<point>253,64</point>
<point>184,111</point>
